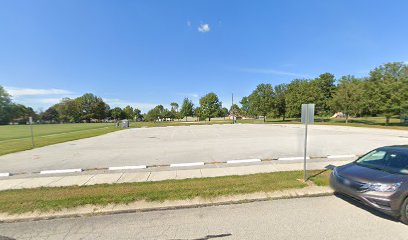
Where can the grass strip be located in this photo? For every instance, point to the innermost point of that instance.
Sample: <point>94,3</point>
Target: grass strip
<point>48,199</point>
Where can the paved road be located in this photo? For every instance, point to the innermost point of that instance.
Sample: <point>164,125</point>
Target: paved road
<point>305,218</point>
<point>208,143</point>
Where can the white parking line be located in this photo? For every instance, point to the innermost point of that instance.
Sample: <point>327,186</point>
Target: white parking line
<point>187,164</point>
<point>6,174</point>
<point>342,156</point>
<point>244,161</point>
<point>127,167</point>
<point>61,171</point>
<point>292,158</point>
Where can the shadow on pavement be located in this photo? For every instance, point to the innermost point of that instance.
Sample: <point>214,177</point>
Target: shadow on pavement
<point>365,207</point>
<point>208,237</point>
<point>6,238</point>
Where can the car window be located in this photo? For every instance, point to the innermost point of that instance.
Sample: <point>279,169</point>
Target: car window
<point>387,160</point>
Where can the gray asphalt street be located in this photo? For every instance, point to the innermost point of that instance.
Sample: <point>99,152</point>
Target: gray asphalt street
<point>303,218</point>
<point>207,143</point>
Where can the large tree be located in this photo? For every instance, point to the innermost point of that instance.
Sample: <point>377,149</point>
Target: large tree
<point>348,97</point>
<point>235,110</point>
<point>261,100</point>
<point>157,113</point>
<point>280,100</point>
<point>387,90</point>
<point>129,112</point>
<point>298,92</point>
<point>138,114</point>
<point>51,114</point>
<point>223,112</point>
<point>210,106</point>
<point>92,107</point>
<point>5,106</point>
<point>69,110</point>
<point>187,108</point>
<point>117,113</point>
<point>324,86</point>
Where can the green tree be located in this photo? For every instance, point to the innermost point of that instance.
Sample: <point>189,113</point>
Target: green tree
<point>210,106</point>
<point>223,112</point>
<point>280,100</point>
<point>324,87</point>
<point>138,114</point>
<point>174,106</point>
<point>174,111</point>
<point>187,108</point>
<point>298,92</point>
<point>235,110</point>
<point>246,108</point>
<point>117,113</point>
<point>129,112</point>
<point>92,107</point>
<point>5,106</point>
<point>261,100</point>
<point>197,113</point>
<point>51,114</point>
<point>348,97</point>
<point>69,110</point>
<point>387,90</point>
<point>157,113</point>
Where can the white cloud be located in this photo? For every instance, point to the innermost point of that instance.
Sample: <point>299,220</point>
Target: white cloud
<point>17,92</point>
<point>204,27</point>
<point>273,72</point>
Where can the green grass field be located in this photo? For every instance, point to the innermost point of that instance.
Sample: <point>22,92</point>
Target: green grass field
<point>14,138</point>
<point>47,199</point>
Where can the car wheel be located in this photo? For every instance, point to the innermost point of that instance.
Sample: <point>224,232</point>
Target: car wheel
<point>404,211</point>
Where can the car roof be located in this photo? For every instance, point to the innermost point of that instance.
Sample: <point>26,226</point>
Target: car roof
<point>395,147</point>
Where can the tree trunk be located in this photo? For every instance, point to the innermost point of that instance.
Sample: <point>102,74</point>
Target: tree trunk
<point>387,120</point>
<point>209,119</point>
<point>347,116</point>
<point>264,118</point>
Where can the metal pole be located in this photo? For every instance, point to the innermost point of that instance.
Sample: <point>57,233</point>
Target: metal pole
<point>305,150</point>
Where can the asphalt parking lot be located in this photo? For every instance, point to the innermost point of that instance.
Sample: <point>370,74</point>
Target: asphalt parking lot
<point>206,143</point>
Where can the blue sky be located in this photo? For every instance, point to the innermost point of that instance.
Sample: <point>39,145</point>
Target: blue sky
<point>145,53</point>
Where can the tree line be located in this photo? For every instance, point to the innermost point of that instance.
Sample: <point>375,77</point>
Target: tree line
<point>384,92</point>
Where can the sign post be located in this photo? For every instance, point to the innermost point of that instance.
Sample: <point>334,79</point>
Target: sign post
<point>30,120</point>
<point>307,118</point>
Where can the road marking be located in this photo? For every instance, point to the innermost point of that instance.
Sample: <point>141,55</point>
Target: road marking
<point>127,167</point>
<point>61,171</point>
<point>187,164</point>
<point>6,174</point>
<point>292,158</point>
<point>342,156</point>
<point>244,161</point>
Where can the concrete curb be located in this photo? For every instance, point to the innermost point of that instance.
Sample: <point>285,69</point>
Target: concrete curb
<point>143,206</point>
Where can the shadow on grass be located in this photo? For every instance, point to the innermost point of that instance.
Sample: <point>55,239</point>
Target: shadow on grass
<point>317,174</point>
<point>359,204</point>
